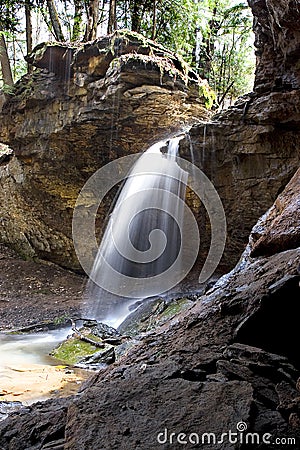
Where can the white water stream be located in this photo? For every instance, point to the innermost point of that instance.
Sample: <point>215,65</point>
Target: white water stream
<point>142,238</point>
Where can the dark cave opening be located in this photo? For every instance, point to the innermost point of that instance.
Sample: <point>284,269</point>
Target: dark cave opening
<point>275,326</point>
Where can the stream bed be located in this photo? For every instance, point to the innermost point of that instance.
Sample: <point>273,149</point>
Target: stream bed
<point>29,374</point>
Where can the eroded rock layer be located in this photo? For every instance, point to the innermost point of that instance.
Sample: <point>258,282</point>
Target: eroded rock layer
<point>83,108</point>
<point>252,150</point>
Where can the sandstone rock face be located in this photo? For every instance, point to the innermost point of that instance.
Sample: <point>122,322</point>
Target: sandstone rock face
<point>88,106</point>
<point>251,150</point>
<point>279,228</point>
<point>83,108</point>
<point>277,43</point>
<point>228,362</point>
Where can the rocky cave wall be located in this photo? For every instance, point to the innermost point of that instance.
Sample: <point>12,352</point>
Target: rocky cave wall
<point>251,150</point>
<point>84,107</point>
<point>229,360</point>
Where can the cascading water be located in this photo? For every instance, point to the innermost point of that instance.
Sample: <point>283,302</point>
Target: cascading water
<point>142,238</point>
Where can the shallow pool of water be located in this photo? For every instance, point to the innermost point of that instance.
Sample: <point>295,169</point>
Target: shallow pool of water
<point>29,374</point>
<point>33,348</point>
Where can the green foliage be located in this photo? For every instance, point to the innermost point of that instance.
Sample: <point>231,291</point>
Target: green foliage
<point>7,89</point>
<point>207,93</point>
<point>225,51</point>
<point>213,36</point>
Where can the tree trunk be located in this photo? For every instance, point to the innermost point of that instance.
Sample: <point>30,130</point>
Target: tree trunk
<point>55,21</point>
<point>5,64</point>
<point>205,68</point>
<point>135,15</point>
<point>153,34</point>
<point>92,22</point>
<point>112,22</point>
<point>78,5</point>
<point>28,31</point>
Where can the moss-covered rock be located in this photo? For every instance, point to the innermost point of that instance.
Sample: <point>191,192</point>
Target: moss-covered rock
<point>73,350</point>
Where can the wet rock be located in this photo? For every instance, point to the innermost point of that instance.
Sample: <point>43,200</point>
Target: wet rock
<point>279,228</point>
<point>232,356</point>
<point>7,408</point>
<point>201,404</point>
<point>289,398</point>
<point>249,163</point>
<point>35,294</point>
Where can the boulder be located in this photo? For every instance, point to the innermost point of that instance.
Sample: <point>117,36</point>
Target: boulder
<point>279,228</point>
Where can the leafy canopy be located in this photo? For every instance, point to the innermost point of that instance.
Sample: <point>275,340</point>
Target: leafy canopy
<point>214,36</point>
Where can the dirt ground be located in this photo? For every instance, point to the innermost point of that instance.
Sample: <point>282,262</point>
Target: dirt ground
<point>33,292</point>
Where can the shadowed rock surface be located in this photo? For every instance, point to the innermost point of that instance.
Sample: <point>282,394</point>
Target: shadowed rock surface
<point>251,150</point>
<point>231,356</point>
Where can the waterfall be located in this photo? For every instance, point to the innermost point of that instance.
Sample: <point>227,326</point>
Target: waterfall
<point>143,236</point>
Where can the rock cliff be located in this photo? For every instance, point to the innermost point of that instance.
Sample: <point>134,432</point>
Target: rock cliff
<point>86,106</point>
<point>251,150</point>
<point>82,108</point>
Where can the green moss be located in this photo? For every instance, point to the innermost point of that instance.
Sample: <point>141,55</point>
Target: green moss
<point>174,308</point>
<point>207,93</point>
<point>58,320</point>
<point>73,350</point>
<point>157,54</point>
